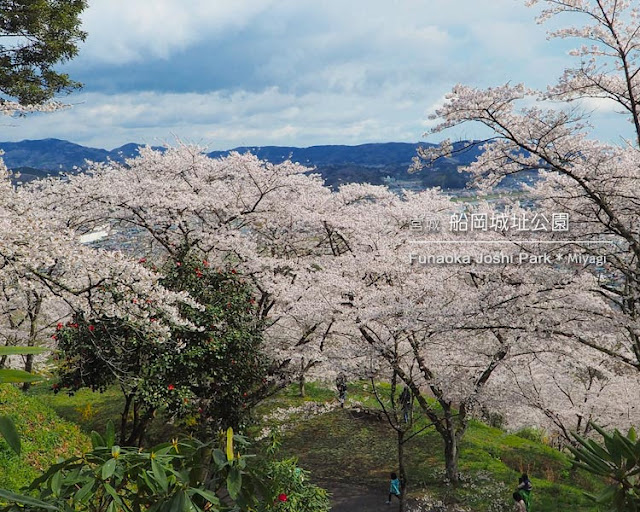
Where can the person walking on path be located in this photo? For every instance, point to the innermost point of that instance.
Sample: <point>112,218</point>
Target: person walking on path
<point>520,505</point>
<point>524,489</point>
<point>341,384</point>
<point>394,488</point>
<point>406,401</point>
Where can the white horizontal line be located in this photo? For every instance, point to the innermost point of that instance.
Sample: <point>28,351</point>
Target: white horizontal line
<point>511,241</point>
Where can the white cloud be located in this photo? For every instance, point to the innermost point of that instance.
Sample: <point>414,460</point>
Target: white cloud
<point>130,30</point>
<point>226,119</point>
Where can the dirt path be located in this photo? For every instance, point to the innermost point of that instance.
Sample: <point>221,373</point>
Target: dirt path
<point>346,498</point>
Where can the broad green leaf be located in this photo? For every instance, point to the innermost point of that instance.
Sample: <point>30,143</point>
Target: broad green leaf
<point>159,475</point>
<point>10,434</point>
<point>85,492</point>
<point>56,483</point>
<point>234,483</point>
<point>13,376</point>
<point>207,495</point>
<point>96,440</point>
<point>108,469</point>
<point>176,504</point>
<point>26,500</point>
<point>110,435</point>
<point>219,458</point>
<point>20,351</point>
<point>113,493</point>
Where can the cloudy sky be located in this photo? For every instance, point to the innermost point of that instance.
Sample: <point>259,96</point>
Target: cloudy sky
<point>287,72</point>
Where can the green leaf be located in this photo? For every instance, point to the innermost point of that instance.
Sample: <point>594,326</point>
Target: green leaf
<point>110,435</point>
<point>159,475</point>
<point>207,495</point>
<point>10,434</point>
<point>85,492</point>
<point>12,376</point>
<point>96,440</point>
<point>219,458</point>
<point>20,351</point>
<point>113,493</point>
<point>108,469</point>
<point>26,500</point>
<point>176,504</point>
<point>234,483</point>
<point>56,484</point>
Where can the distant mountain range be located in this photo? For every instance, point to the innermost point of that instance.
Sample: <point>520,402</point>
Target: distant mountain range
<point>371,163</point>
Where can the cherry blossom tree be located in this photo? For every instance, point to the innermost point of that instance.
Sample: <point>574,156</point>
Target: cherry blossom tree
<point>563,393</point>
<point>596,182</point>
<point>442,329</point>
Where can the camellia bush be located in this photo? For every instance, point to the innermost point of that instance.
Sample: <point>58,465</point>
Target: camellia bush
<point>208,370</point>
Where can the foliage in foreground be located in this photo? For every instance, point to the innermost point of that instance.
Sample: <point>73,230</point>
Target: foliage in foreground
<point>618,461</point>
<point>181,476</point>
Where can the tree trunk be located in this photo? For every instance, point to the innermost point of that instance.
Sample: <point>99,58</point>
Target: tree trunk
<point>34,314</point>
<point>302,380</point>
<point>451,457</point>
<point>124,418</point>
<point>402,473</point>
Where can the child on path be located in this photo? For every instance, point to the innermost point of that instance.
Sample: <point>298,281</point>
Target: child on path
<point>394,488</point>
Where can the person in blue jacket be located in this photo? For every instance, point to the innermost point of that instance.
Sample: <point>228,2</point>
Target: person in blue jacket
<point>394,488</point>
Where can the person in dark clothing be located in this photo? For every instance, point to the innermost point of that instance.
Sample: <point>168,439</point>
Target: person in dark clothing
<point>524,488</point>
<point>341,384</point>
<point>406,402</point>
<point>520,505</point>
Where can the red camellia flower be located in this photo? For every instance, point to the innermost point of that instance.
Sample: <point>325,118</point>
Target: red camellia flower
<point>92,328</point>
<point>178,264</point>
<point>205,263</point>
<point>282,497</point>
<point>171,387</point>
<point>59,326</point>
<point>142,260</point>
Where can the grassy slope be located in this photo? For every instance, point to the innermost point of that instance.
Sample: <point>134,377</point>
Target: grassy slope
<point>344,446</point>
<point>44,438</point>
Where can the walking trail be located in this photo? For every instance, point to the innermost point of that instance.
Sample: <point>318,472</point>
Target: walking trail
<point>349,498</point>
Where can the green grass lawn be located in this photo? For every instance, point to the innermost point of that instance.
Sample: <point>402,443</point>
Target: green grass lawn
<point>44,437</point>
